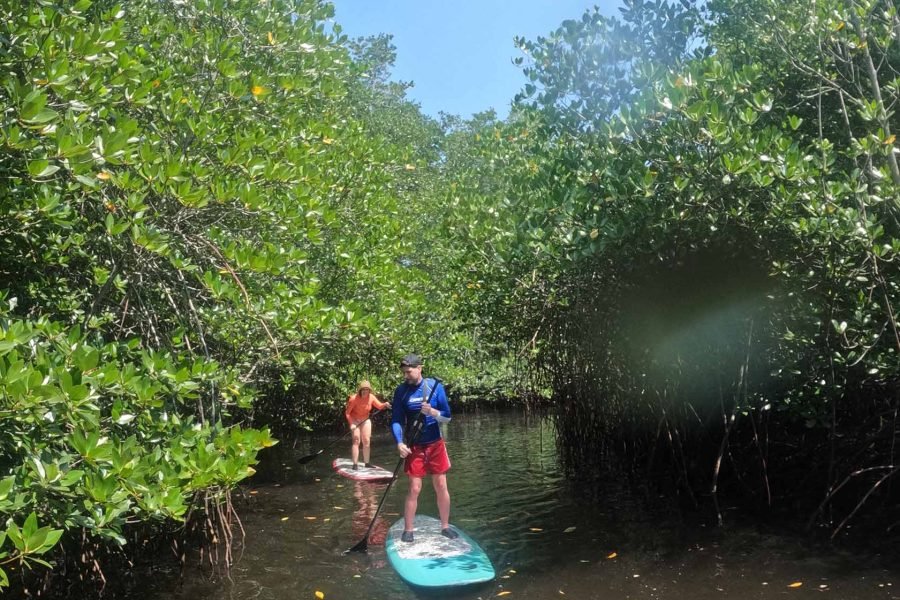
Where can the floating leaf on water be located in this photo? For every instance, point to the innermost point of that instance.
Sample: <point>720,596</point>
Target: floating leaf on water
<point>320,595</point>
<point>569,530</point>
<point>796,584</point>
<point>512,571</point>
<point>504,593</point>
<point>338,507</point>
<point>310,518</point>
<point>285,518</point>
<point>535,529</point>
<point>612,555</point>
<point>254,492</point>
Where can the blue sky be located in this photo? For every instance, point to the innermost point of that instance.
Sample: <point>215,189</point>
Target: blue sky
<point>459,53</point>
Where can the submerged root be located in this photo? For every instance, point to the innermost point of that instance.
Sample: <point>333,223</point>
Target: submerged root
<point>219,528</point>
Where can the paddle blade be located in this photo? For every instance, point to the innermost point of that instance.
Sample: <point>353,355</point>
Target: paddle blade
<point>361,546</point>
<point>305,459</point>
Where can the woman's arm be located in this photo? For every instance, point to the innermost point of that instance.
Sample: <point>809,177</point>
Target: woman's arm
<point>378,403</point>
<point>347,410</point>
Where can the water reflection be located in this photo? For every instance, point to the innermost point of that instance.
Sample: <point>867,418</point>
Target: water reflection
<point>367,498</point>
<point>545,536</point>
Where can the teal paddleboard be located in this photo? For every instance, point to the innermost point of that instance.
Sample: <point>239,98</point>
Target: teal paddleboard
<point>432,560</point>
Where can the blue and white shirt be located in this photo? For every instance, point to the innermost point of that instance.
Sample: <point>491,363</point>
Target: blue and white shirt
<point>407,405</point>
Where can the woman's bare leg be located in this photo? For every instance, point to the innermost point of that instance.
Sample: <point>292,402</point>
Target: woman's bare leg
<point>354,449</point>
<point>366,439</point>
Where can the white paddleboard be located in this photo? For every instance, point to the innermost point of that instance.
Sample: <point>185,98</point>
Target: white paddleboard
<point>344,466</point>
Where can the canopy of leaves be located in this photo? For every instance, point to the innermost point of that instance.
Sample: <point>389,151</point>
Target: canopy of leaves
<point>690,228</point>
<point>204,204</point>
<point>219,215</point>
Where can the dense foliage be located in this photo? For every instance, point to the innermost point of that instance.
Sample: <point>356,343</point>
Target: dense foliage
<point>196,213</point>
<point>696,236</point>
<point>217,215</point>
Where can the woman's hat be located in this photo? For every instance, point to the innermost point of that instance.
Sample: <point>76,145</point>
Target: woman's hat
<point>364,385</point>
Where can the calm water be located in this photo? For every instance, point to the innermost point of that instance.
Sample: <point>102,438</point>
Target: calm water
<point>546,539</point>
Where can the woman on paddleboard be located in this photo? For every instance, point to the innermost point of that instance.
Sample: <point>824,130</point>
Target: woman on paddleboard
<point>359,407</point>
<point>424,450</point>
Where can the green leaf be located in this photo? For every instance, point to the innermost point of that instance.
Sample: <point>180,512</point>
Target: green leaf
<point>36,167</point>
<point>47,541</point>
<point>42,473</point>
<point>30,526</point>
<point>6,486</point>
<point>32,105</point>
<point>35,541</point>
<point>14,534</point>
<point>88,181</point>
<point>43,116</point>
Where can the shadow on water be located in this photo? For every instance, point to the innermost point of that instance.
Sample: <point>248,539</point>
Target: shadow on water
<point>545,536</point>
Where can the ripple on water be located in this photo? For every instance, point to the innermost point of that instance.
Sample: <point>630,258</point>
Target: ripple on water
<point>546,537</point>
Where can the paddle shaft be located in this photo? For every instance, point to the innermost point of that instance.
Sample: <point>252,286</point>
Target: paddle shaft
<point>417,428</point>
<point>309,457</point>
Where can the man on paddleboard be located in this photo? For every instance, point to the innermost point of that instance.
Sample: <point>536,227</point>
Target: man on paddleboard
<point>359,406</point>
<point>424,450</point>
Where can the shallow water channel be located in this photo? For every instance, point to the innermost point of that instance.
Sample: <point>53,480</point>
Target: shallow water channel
<point>545,537</point>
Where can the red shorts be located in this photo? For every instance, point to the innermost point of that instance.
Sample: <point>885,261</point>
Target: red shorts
<point>430,459</point>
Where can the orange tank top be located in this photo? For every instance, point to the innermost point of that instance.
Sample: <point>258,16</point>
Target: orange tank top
<point>358,408</point>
